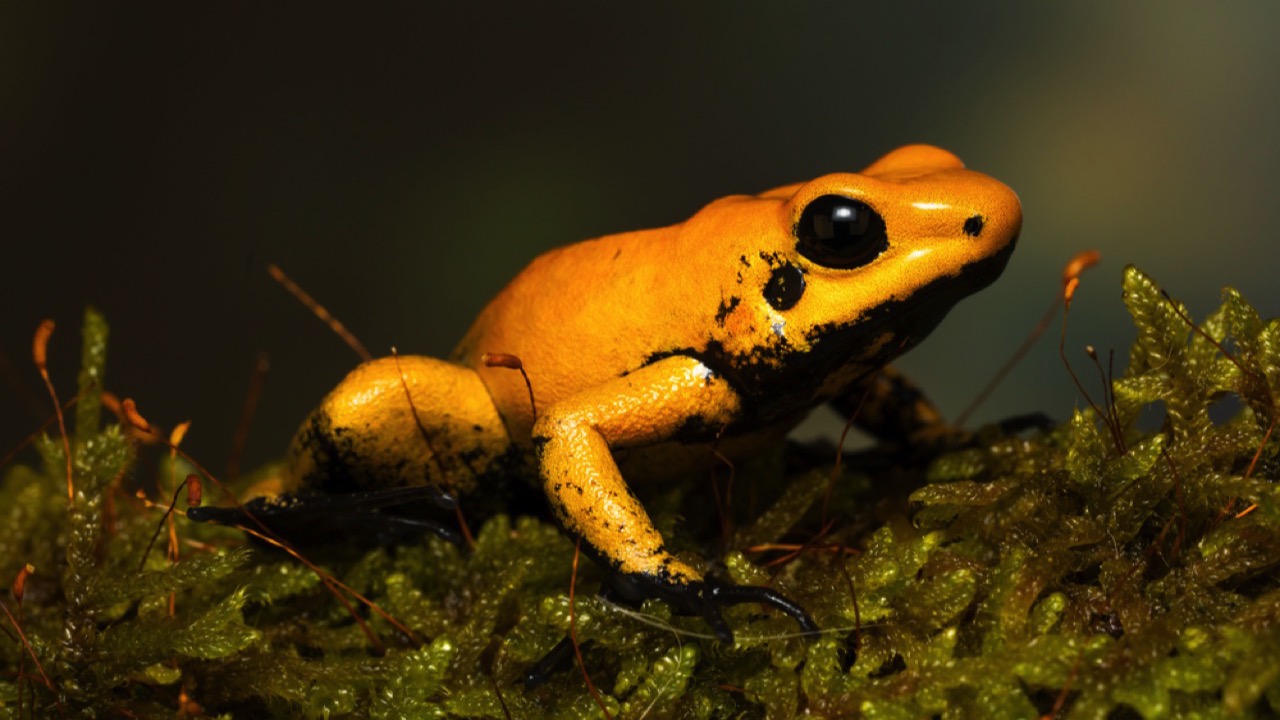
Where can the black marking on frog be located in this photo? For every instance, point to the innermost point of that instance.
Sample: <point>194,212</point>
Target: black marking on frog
<point>773,258</point>
<point>973,226</point>
<point>778,379</point>
<point>695,429</point>
<point>726,307</point>
<point>539,442</point>
<point>785,287</point>
<point>333,451</point>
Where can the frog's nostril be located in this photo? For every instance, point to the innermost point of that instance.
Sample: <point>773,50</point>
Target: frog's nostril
<point>973,226</point>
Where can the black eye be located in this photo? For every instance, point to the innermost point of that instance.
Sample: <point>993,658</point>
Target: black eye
<point>838,232</point>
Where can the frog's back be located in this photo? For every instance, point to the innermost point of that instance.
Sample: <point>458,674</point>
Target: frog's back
<point>586,313</point>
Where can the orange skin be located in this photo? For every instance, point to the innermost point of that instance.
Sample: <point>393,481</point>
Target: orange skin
<point>645,348</point>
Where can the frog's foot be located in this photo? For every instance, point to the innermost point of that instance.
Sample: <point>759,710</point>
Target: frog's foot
<point>943,438</point>
<point>935,440</point>
<point>1028,421</point>
<point>361,517</point>
<point>702,597</point>
<point>550,664</point>
<point>928,443</point>
<point>707,597</point>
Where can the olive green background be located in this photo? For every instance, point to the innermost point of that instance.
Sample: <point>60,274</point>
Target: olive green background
<point>403,160</point>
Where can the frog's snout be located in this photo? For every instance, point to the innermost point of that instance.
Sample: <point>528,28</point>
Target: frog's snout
<point>993,217</point>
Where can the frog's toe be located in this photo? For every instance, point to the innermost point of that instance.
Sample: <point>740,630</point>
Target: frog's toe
<point>724,595</point>
<point>1029,421</point>
<point>706,598</point>
<point>553,662</point>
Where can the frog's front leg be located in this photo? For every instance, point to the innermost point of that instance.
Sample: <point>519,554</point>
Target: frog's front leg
<point>575,438</point>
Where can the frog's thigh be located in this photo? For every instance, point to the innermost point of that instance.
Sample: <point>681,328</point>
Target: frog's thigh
<point>890,407</point>
<point>365,436</point>
<point>588,493</point>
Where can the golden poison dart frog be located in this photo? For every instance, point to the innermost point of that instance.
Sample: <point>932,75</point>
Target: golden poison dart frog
<point>646,349</point>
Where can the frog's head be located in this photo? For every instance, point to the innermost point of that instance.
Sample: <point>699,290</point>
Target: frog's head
<point>851,269</point>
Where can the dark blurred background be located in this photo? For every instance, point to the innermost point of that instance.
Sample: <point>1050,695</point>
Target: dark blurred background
<point>403,160</point>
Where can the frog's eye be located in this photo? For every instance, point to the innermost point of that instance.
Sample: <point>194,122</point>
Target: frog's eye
<point>839,232</point>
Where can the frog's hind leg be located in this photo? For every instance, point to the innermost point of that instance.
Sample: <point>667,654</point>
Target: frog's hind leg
<point>893,409</point>
<point>398,436</point>
<point>896,411</point>
<point>401,421</point>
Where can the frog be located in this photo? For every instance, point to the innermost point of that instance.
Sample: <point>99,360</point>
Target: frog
<point>650,354</point>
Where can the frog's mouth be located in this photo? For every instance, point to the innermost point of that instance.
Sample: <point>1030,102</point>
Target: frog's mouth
<point>911,319</point>
<point>942,294</point>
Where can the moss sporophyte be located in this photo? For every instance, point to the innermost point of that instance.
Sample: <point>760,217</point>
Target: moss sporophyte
<point>1096,569</point>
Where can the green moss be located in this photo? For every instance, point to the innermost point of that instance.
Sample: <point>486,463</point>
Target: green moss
<point>1097,566</point>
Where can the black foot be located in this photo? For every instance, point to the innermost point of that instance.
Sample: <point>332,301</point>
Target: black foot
<point>315,519</point>
<point>1030,421</point>
<point>933,442</point>
<point>560,658</point>
<point>707,597</point>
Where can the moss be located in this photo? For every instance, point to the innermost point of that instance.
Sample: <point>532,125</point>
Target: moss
<point>1097,569</point>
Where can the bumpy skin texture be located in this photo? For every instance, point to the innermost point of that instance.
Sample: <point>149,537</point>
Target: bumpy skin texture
<point>364,435</point>
<point>646,347</point>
